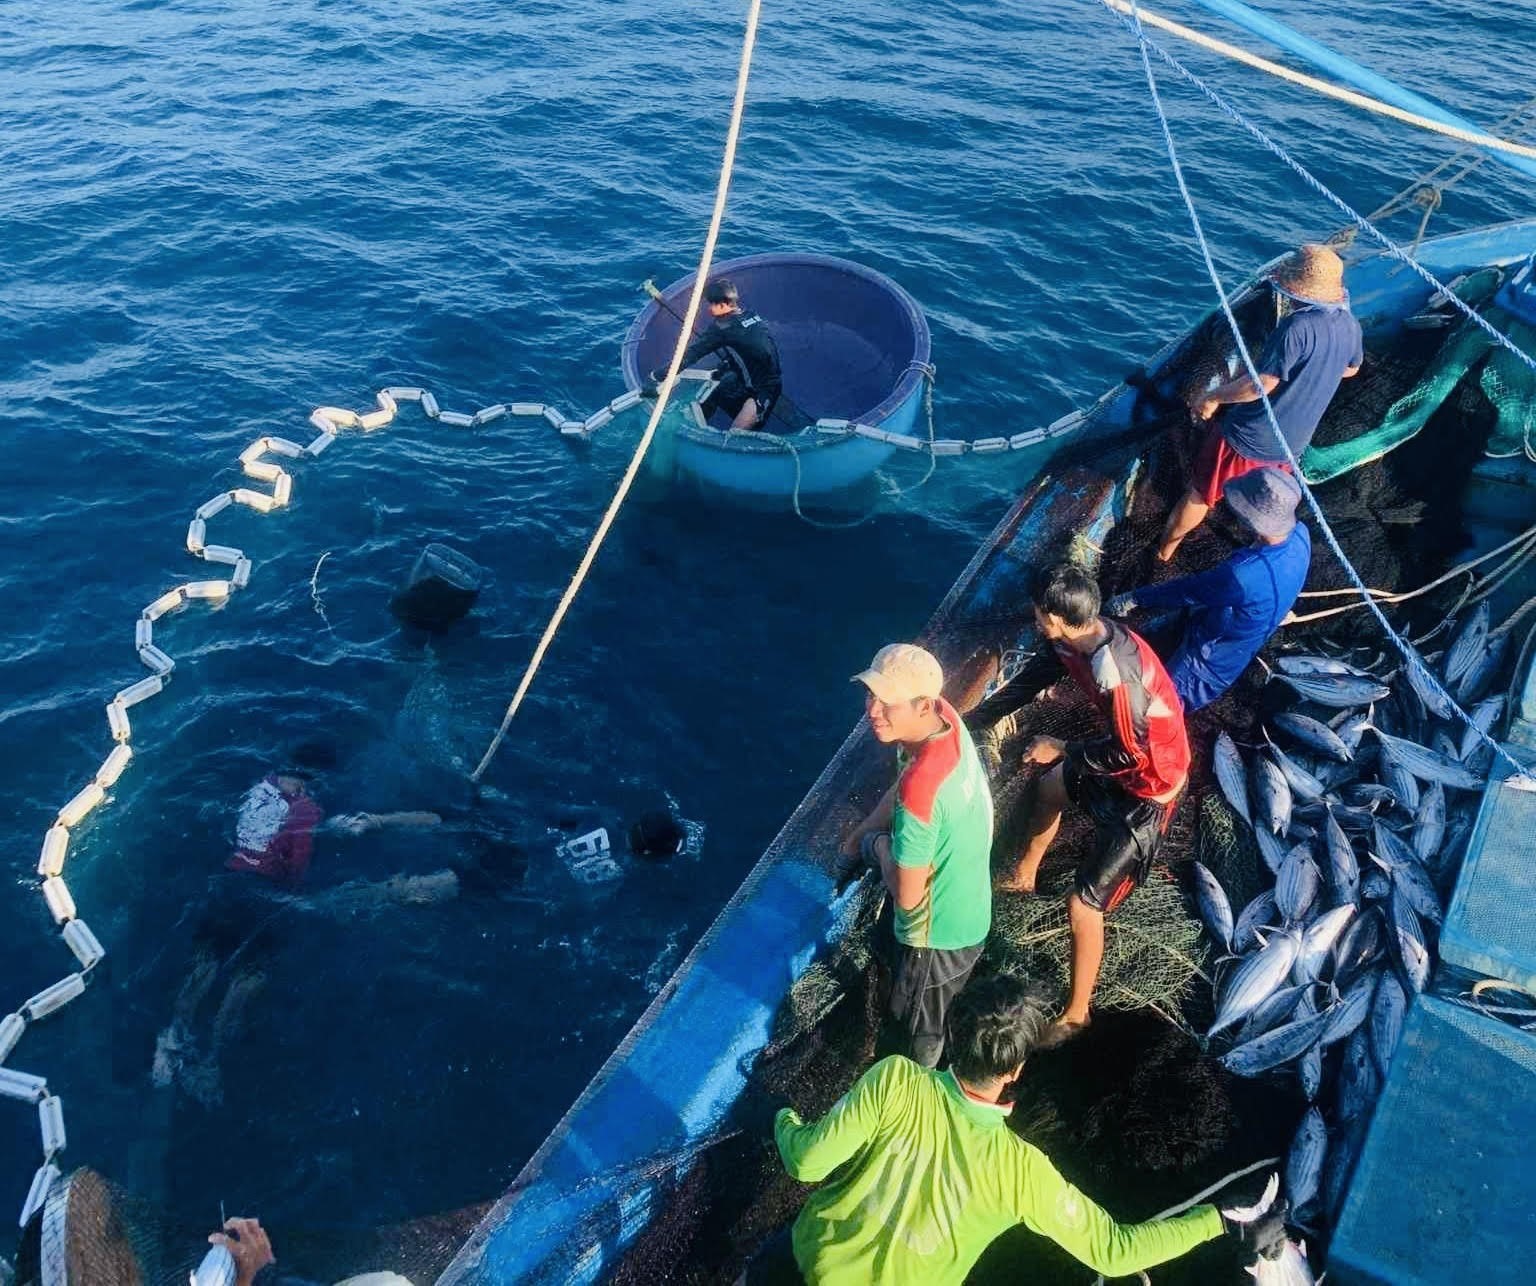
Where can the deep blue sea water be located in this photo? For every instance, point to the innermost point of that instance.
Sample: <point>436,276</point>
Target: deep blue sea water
<point>216,216</point>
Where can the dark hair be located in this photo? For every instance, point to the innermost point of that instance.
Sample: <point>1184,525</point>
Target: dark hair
<point>993,1024</point>
<point>722,290</point>
<point>657,834</point>
<point>1068,591</point>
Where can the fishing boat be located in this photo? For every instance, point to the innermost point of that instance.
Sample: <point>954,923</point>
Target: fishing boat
<point>854,347</point>
<point>632,1148</point>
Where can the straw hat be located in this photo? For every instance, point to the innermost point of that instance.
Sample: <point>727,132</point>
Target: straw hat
<point>1312,272</point>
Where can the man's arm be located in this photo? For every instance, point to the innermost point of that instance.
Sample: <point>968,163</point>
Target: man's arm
<point>879,819</point>
<point>1051,1206</point>
<point>1218,587</point>
<point>812,1150</point>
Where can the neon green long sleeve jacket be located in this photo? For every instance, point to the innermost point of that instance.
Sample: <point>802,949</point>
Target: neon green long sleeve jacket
<point>927,1177</point>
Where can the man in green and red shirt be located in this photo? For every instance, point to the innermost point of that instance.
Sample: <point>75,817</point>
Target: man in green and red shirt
<point>922,1173</point>
<point>931,838</point>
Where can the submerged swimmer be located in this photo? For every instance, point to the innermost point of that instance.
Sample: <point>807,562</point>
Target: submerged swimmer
<point>231,927</point>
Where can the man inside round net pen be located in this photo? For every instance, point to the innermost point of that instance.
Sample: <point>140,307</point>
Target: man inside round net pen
<point>930,837</point>
<point>1127,779</point>
<point>919,1172</point>
<point>750,380</point>
<point>1231,611</point>
<point>1317,344</point>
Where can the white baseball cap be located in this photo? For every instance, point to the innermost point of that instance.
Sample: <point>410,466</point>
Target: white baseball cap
<point>902,672</point>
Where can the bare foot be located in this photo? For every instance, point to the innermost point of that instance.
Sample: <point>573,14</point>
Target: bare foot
<point>1013,884</point>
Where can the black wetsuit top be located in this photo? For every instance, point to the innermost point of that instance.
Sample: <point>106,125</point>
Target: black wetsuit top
<point>746,349</point>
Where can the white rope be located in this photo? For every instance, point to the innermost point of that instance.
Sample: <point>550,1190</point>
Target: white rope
<point>1475,137</point>
<point>738,108</point>
<point>1202,1195</point>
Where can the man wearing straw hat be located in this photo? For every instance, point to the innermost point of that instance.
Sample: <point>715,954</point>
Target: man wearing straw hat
<point>1315,346</point>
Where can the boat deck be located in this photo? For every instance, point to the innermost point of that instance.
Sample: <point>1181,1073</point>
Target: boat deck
<point>1441,1192</point>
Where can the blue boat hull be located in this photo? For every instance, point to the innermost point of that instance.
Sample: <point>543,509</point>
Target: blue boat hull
<point>590,1189</point>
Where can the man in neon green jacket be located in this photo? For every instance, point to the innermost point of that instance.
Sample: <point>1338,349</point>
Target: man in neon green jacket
<point>928,1174</point>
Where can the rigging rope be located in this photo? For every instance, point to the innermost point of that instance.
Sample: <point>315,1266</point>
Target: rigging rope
<point>1329,195</point>
<point>664,394</point>
<point>1475,137</point>
<point>1519,777</point>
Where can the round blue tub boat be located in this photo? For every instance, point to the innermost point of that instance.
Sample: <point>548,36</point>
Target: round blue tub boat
<point>854,347</point>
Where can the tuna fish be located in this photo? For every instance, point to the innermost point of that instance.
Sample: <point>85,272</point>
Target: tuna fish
<point>1297,884</point>
<point>1215,910</point>
<point>1314,734</point>
<point>1343,867</point>
<point>1476,680</point>
<point>1358,1082</point>
<point>1359,948</point>
<point>1256,979</point>
<point>1304,1162</point>
<point>1388,1008</point>
<point>1277,1047</point>
<point>1428,690</point>
<point>1279,1008</point>
<point>1271,795</point>
<point>1336,690</point>
<point>1258,914</point>
<point>1408,936</point>
<point>1468,647</point>
<point>1289,1269</point>
<point>1368,794</point>
<point>1402,783</point>
<point>1302,783</point>
<point>1231,775</point>
<point>1351,726</point>
<point>1484,715</point>
<point>1343,1149</point>
<point>1429,822</point>
<point>1349,1011</point>
<point>1408,875</point>
<point>1375,886</point>
<point>1318,941</point>
<point>1426,764</point>
<point>1270,848</point>
<point>1304,665</point>
<point>1309,1072</point>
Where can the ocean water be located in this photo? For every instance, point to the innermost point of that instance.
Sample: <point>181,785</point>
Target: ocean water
<point>218,215</point>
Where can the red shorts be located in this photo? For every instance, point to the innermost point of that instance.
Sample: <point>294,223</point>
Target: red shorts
<point>1217,464</point>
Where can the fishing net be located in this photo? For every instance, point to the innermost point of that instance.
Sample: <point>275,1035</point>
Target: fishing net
<point>95,1232</point>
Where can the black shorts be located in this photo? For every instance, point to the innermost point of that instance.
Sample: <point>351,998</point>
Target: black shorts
<point>731,394</point>
<point>1127,832</point>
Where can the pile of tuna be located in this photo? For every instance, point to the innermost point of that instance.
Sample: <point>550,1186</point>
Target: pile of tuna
<point>1360,802</point>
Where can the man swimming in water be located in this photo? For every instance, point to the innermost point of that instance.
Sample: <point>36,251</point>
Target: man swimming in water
<point>750,379</point>
<point>232,925</point>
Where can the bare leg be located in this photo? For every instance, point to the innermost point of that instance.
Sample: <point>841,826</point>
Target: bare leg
<point>231,1016</point>
<point>746,418</point>
<point>1087,957</point>
<point>1188,514</point>
<point>1044,822</point>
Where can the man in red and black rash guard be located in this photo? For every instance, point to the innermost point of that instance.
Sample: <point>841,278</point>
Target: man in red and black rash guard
<point>1127,780</point>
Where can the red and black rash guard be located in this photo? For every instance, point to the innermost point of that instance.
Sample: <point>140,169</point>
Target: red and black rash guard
<point>1146,751</point>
